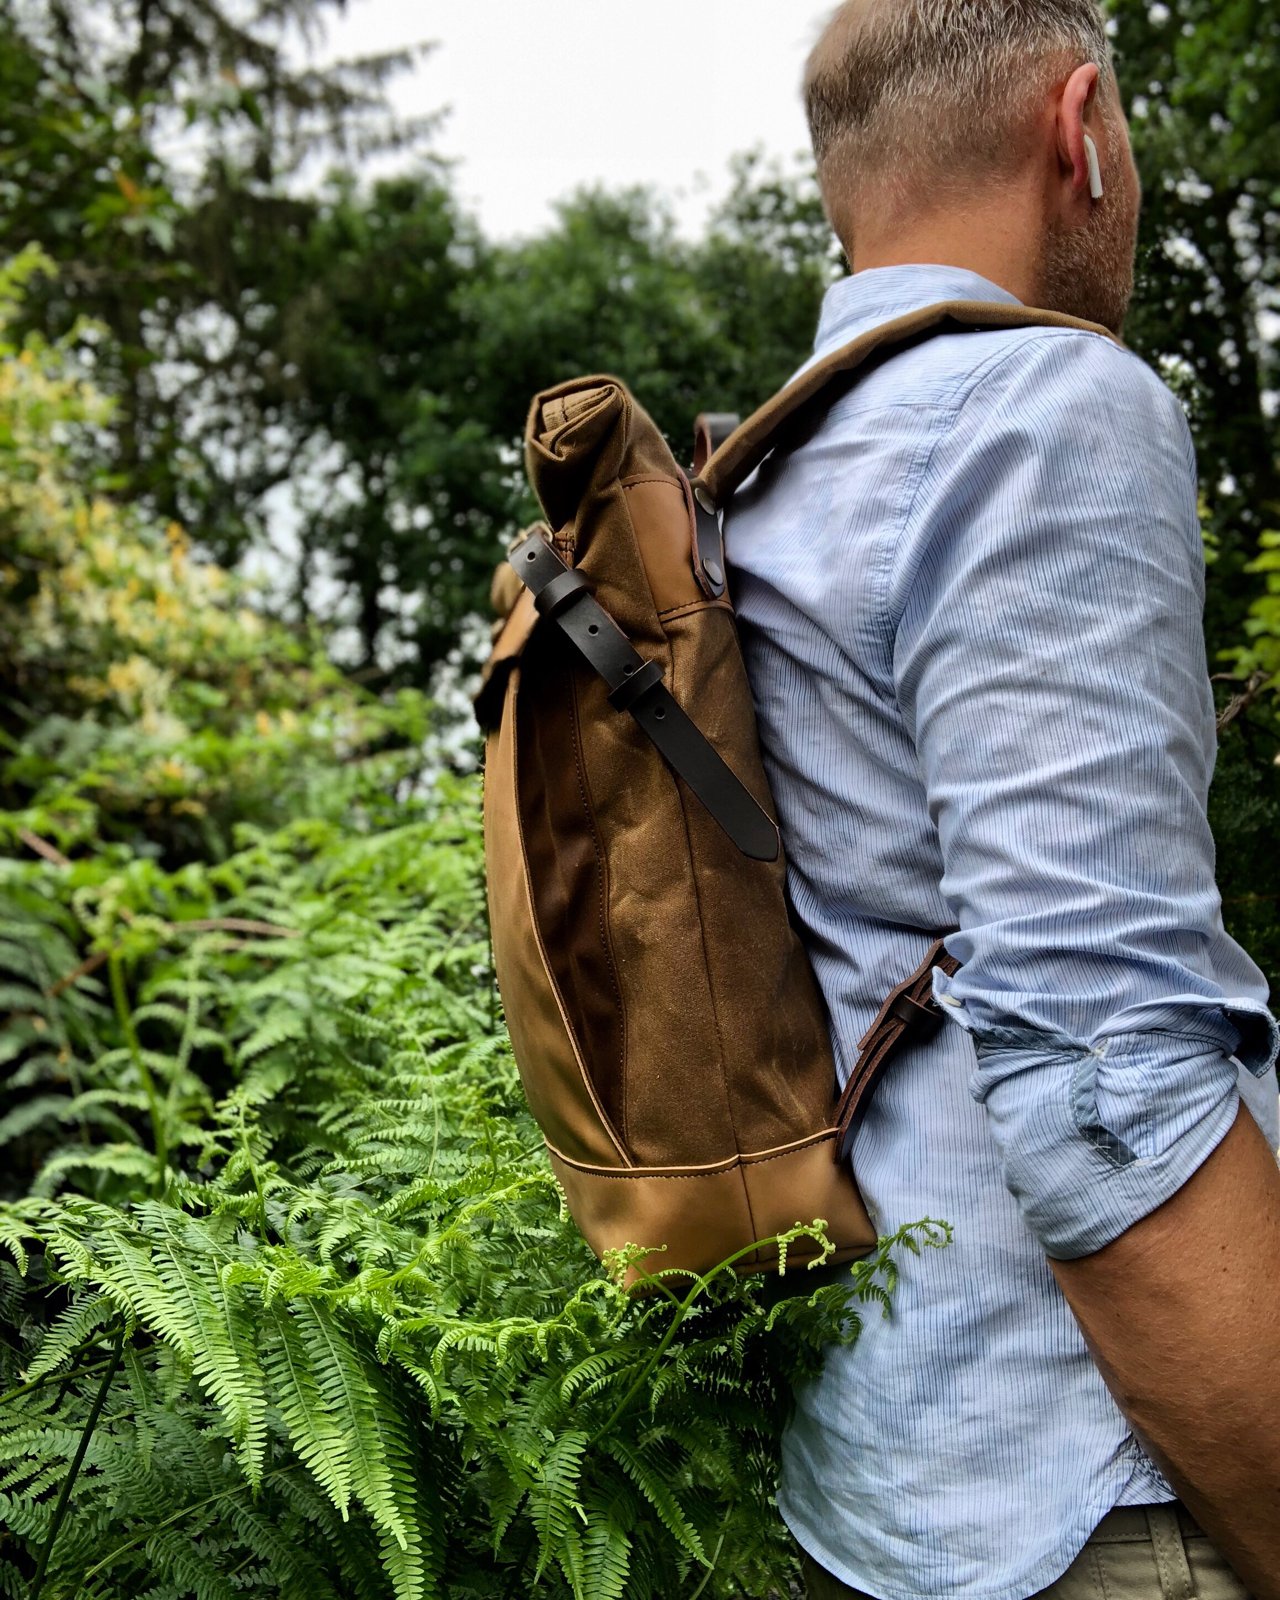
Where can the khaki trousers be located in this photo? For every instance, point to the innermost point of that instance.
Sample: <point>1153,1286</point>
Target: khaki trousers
<point>1136,1553</point>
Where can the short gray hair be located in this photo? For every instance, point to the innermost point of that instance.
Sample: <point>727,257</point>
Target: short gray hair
<point>908,97</point>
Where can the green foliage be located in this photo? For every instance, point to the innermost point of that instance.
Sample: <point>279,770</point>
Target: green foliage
<point>156,150</point>
<point>144,699</point>
<point>1201,83</point>
<point>361,1333</point>
<point>289,1302</point>
<point>1262,653</point>
<point>1245,804</point>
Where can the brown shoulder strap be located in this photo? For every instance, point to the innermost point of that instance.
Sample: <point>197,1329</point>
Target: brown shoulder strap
<point>745,448</point>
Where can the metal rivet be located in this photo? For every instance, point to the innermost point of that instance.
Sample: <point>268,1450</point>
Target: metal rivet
<point>714,571</point>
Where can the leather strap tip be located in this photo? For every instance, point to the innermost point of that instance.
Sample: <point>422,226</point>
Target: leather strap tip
<point>764,845</point>
<point>843,1147</point>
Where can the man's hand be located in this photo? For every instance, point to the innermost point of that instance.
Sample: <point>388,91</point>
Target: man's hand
<point>1182,1314</point>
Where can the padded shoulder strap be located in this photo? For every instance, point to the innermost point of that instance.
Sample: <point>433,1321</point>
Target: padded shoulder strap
<point>745,448</point>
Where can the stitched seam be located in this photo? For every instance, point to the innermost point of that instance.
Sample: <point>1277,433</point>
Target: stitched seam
<point>948,413</point>
<point>648,477</point>
<point>687,607</point>
<point>688,1177</point>
<point>1099,1575</point>
<point>751,1157</point>
<point>951,411</point>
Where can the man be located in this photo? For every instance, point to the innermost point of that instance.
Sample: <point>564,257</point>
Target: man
<point>971,605</point>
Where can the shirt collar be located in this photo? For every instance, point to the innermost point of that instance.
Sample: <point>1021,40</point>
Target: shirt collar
<point>879,294</point>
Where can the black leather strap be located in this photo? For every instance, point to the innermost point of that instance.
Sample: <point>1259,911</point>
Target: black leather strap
<point>636,686</point>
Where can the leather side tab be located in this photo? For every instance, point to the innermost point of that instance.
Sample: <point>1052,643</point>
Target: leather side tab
<point>908,1013</point>
<point>512,637</point>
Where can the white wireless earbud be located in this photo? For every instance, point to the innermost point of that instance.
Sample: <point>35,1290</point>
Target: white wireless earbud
<point>1095,175</point>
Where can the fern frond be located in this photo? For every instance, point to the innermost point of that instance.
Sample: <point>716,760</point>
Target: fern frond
<point>606,1560</point>
<point>315,1431</point>
<point>553,1498</point>
<point>68,1332</point>
<point>218,1326</point>
<point>373,1442</point>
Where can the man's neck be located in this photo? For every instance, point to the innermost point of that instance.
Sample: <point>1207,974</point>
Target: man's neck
<point>994,243</point>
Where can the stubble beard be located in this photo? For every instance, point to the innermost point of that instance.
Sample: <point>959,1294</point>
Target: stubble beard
<point>1088,272</point>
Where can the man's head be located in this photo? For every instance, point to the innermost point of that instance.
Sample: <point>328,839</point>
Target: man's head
<point>927,115</point>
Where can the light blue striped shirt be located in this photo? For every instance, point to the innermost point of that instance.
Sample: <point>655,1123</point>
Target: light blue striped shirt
<point>971,607</point>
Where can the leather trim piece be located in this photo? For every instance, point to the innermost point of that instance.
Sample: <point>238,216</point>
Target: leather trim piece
<point>662,517</point>
<point>705,1215</point>
<point>748,445</point>
<point>709,565</point>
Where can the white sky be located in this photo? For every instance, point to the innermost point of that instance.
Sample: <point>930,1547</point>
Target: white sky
<point>544,95</point>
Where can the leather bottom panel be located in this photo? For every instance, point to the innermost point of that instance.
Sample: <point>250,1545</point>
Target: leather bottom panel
<point>703,1215</point>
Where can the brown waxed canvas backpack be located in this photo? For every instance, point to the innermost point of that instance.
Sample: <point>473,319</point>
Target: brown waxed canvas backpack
<point>669,1033</point>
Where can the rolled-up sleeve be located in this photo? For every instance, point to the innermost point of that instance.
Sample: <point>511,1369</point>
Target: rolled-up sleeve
<point>1049,660</point>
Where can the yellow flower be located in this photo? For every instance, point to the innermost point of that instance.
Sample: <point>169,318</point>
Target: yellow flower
<point>124,677</point>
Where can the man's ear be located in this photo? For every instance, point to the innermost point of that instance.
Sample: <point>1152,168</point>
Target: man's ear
<point>1078,96</point>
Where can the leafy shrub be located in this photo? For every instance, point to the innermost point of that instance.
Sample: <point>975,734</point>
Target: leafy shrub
<point>354,1346</point>
<point>289,1304</point>
<point>1245,802</point>
<point>144,698</point>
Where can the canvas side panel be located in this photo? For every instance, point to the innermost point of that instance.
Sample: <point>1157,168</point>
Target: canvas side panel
<point>551,1069</point>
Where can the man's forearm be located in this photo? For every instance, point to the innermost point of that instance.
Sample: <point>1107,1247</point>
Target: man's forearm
<point>1182,1314</point>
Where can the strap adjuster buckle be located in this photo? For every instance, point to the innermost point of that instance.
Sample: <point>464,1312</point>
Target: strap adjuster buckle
<point>561,592</point>
<point>633,688</point>
<point>918,1017</point>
